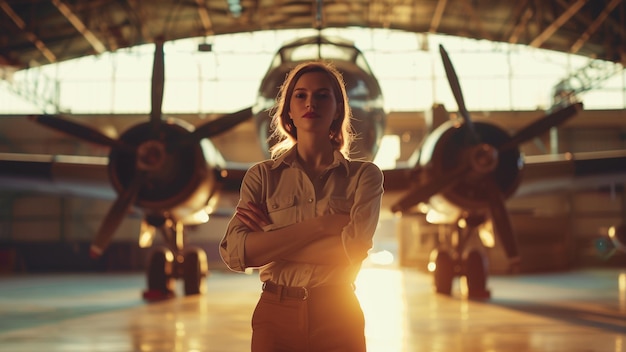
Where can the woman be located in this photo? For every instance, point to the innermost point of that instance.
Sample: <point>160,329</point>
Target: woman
<point>306,219</point>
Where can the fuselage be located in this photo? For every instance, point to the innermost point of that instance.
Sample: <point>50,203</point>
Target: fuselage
<point>364,93</point>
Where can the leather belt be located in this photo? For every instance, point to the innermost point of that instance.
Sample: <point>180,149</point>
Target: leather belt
<point>286,291</point>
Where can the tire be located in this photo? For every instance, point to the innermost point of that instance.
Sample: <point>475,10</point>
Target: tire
<point>160,272</point>
<point>444,273</point>
<point>195,272</point>
<point>476,276</point>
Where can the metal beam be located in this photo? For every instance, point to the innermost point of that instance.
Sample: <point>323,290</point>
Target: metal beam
<point>205,19</point>
<point>96,44</point>
<point>513,22</point>
<point>554,26</point>
<point>474,16</point>
<point>594,26</point>
<point>32,37</point>
<point>138,11</point>
<point>436,20</point>
<point>521,25</point>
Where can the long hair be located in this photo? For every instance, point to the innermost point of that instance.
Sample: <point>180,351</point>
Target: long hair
<point>284,131</point>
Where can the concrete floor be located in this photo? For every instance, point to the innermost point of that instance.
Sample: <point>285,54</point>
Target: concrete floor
<point>572,311</point>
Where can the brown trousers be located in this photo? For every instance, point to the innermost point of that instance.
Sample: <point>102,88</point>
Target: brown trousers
<point>329,319</point>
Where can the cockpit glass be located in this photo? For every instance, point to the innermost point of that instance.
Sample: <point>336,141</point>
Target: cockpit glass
<point>326,51</point>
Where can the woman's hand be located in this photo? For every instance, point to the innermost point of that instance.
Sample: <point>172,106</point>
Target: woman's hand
<point>255,217</point>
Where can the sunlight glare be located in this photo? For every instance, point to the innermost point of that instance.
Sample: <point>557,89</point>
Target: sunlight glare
<point>388,152</point>
<point>382,297</point>
<point>383,257</point>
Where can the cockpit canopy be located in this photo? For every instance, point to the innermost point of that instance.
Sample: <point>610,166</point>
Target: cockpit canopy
<point>327,48</point>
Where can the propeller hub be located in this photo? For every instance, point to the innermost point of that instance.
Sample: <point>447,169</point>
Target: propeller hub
<point>150,155</point>
<point>483,158</point>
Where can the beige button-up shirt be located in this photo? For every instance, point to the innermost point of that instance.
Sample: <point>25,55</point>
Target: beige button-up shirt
<point>346,187</point>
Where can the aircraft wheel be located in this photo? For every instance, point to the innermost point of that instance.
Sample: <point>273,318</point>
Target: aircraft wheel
<point>160,280</point>
<point>195,271</point>
<point>444,273</point>
<point>476,276</point>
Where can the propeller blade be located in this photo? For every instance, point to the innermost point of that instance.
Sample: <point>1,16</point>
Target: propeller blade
<point>220,125</point>
<point>541,126</point>
<point>422,193</point>
<point>453,80</point>
<point>501,221</point>
<point>114,217</point>
<point>158,78</point>
<point>77,130</point>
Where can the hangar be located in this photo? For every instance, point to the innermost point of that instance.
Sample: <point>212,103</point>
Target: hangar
<point>37,33</point>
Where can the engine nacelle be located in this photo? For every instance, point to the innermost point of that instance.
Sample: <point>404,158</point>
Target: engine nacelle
<point>446,148</point>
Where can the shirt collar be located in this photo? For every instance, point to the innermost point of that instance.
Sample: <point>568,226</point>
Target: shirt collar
<point>289,158</point>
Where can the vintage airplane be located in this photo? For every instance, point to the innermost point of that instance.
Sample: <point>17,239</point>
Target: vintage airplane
<point>174,175</point>
<point>465,171</point>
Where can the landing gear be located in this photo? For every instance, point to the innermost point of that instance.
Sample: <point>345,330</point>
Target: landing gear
<point>160,278</point>
<point>457,255</point>
<point>472,269</point>
<point>475,268</point>
<point>169,263</point>
<point>195,271</point>
<point>444,272</point>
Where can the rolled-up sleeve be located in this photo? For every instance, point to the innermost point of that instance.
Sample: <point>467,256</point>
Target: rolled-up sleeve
<point>232,246</point>
<point>357,235</point>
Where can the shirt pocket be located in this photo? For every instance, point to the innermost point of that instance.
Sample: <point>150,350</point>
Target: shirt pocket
<point>340,205</point>
<point>282,211</point>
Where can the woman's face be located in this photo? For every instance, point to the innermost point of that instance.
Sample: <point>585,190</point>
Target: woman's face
<point>312,105</point>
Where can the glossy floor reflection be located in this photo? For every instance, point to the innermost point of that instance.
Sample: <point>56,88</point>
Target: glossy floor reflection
<point>574,311</point>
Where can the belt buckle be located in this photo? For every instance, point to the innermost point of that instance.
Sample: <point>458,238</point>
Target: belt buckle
<point>306,293</point>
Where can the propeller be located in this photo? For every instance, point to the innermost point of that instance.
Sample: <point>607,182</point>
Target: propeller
<point>148,153</point>
<point>158,79</point>
<point>477,163</point>
<point>218,126</point>
<point>212,128</point>
<point>541,126</point>
<point>500,220</point>
<point>455,86</point>
<point>120,207</point>
<point>115,215</point>
<point>80,131</point>
<point>127,198</point>
<point>422,193</point>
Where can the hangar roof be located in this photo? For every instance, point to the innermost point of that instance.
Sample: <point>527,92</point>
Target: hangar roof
<point>37,32</point>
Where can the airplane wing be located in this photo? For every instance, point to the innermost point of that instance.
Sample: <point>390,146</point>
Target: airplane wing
<point>81,176</point>
<point>85,176</point>
<point>572,172</point>
<point>542,174</point>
